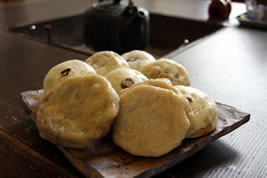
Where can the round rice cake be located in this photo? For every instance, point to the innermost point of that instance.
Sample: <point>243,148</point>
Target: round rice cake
<point>166,68</point>
<point>165,84</point>
<point>151,121</point>
<point>63,71</point>
<point>204,109</point>
<point>78,112</point>
<point>105,61</point>
<point>122,78</point>
<point>137,59</point>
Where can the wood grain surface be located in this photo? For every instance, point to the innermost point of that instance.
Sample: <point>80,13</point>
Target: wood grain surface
<point>20,150</point>
<point>104,159</point>
<point>229,65</point>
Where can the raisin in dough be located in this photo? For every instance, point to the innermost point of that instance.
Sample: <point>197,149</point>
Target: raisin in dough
<point>151,121</point>
<point>105,61</point>
<point>166,68</point>
<point>78,112</point>
<point>204,111</point>
<point>65,70</point>
<point>137,59</point>
<point>122,78</point>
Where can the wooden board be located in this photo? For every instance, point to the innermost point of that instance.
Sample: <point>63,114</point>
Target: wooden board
<point>104,159</point>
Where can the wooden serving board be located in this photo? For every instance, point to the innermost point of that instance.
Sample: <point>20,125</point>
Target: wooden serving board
<point>104,159</point>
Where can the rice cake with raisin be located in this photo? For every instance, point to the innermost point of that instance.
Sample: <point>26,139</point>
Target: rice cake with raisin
<point>122,78</point>
<point>105,61</point>
<point>63,71</point>
<point>151,121</point>
<point>204,110</point>
<point>166,68</point>
<point>78,112</point>
<point>165,84</point>
<point>138,58</point>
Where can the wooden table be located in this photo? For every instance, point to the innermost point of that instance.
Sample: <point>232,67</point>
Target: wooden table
<point>229,65</point>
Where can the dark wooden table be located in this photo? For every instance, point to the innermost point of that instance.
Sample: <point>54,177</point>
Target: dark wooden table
<point>230,65</point>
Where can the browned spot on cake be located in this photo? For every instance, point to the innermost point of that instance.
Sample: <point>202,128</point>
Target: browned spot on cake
<point>131,59</point>
<point>126,83</point>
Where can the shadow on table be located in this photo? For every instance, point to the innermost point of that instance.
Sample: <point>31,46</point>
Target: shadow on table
<point>211,159</point>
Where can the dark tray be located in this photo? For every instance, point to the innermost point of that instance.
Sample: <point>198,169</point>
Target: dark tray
<point>106,159</point>
<point>245,20</point>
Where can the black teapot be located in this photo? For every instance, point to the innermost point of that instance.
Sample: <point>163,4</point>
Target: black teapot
<point>116,26</point>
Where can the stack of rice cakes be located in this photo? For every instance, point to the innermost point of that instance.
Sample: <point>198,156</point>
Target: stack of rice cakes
<point>147,104</point>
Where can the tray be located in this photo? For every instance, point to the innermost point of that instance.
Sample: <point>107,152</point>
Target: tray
<point>104,159</point>
<point>245,20</point>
